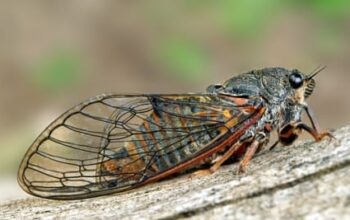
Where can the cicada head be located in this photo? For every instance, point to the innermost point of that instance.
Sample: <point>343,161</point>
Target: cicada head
<point>276,85</point>
<point>302,85</point>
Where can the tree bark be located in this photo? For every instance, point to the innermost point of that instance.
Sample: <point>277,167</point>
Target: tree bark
<point>305,180</point>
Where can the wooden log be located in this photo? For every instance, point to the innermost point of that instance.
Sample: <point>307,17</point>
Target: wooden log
<point>305,180</point>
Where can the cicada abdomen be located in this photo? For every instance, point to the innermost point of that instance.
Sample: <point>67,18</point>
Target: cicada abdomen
<point>177,129</point>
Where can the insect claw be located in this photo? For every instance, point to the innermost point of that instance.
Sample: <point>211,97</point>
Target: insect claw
<point>240,170</point>
<point>327,133</point>
<point>331,133</point>
<point>332,138</point>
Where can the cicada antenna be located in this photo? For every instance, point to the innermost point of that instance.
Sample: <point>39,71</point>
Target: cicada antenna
<point>315,72</point>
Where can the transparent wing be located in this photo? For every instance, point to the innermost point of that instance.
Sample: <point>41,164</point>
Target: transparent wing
<point>113,143</point>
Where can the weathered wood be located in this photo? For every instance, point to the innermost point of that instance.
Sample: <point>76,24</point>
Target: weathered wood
<point>306,180</point>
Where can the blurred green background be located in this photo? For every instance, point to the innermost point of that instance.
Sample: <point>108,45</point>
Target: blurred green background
<point>54,54</point>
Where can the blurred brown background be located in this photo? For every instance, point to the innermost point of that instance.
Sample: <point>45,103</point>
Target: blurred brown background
<point>54,54</point>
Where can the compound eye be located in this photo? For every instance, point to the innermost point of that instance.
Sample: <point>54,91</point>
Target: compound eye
<point>296,79</point>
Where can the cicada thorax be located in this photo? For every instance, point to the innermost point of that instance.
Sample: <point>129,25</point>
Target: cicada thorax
<point>165,137</point>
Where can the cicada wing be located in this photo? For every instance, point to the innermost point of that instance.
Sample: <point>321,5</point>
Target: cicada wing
<point>113,143</point>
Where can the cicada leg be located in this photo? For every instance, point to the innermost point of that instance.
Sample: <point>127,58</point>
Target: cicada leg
<point>274,145</point>
<point>234,148</point>
<point>290,132</point>
<point>259,140</point>
<point>318,136</point>
<point>314,130</point>
<point>244,140</point>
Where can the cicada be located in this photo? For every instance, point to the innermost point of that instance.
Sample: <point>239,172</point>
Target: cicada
<point>112,143</point>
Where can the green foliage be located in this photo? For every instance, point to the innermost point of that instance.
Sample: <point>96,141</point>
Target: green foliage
<point>59,70</point>
<point>247,17</point>
<point>329,41</point>
<point>328,9</point>
<point>184,58</point>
